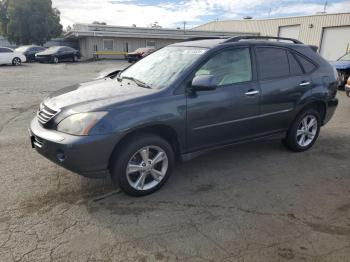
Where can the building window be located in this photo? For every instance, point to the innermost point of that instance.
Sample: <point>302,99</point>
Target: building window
<point>150,43</point>
<point>108,44</point>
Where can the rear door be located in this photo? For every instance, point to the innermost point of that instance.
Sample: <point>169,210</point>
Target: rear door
<point>283,83</point>
<point>228,113</point>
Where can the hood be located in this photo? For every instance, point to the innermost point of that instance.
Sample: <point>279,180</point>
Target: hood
<point>100,93</point>
<point>341,64</point>
<point>47,52</point>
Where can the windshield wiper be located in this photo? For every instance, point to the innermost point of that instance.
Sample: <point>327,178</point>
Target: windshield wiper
<point>138,82</point>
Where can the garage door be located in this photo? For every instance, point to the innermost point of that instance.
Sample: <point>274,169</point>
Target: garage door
<point>335,42</point>
<point>291,31</point>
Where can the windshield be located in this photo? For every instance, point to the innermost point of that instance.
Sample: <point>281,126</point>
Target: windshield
<point>162,67</point>
<point>345,57</point>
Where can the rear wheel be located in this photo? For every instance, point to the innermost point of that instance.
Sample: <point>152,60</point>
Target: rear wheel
<point>16,61</point>
<point>55,60</point>
<point>142,164</point>
<point>304,131</point>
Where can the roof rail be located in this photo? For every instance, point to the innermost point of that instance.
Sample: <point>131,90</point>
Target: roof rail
<point>238,38</point>
<point>205,38</point>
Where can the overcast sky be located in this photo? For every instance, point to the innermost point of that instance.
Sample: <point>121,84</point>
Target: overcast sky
<point>195,12</point>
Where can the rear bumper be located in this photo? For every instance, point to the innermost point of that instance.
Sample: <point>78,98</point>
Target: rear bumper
<point>85,155</point>
<point>331,106</point>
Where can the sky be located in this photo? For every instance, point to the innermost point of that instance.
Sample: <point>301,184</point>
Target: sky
<point>172,14</point>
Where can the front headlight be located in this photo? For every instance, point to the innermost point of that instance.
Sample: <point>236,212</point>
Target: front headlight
<point>80,124</point>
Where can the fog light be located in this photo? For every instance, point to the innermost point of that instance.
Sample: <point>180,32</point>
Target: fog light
<point>61,156</point>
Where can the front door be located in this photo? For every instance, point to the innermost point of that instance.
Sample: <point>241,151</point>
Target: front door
<point>4,56</point>
<point>229,112</point>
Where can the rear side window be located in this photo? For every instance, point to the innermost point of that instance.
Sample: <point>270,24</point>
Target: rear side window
<point>272,62</point>
<point>294,66</point>
<point>307,65</point>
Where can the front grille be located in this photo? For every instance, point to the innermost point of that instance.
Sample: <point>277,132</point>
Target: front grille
<point>37,141</point>
<point>45,114</point>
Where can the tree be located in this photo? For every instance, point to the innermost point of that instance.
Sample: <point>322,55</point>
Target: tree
<point>3,16</point>
<point>29,21</point>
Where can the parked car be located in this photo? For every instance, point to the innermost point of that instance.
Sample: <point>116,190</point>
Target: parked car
<point>58,54</point>
<point>139,54</point>
<point>29,51</point>
<point>347,87</point>
<point>343,67</point>
<point>9,56</point>
<point>183,100</point>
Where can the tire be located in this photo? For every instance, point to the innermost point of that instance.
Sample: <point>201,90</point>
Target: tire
<point>75,58</point>
<point>294,140</point>
<point>55,60</point>
<point>128,156</point>
<point>16,61</point>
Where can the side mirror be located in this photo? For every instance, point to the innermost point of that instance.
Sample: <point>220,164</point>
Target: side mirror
<point>204,83</point>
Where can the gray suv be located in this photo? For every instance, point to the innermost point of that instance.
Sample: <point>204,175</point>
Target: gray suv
<point>183,100</point>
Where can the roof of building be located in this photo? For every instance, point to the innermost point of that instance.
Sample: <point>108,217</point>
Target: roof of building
<point>275,18</point>
<point>84,30</point>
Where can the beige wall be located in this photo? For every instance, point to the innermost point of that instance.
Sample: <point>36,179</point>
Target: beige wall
<point>119,44</point>
<point>270,27</point>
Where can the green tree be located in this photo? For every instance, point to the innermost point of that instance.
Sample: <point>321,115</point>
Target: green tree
<point>3,17</point>
<point>30,21</point>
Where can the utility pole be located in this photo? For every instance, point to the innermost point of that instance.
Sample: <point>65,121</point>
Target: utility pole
<point>185,26</point>
<point>269,12</point>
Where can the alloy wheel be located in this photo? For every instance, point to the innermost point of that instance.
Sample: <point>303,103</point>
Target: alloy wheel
<point>147,168</point>
<point>16,61</point>
<point>307,130</point>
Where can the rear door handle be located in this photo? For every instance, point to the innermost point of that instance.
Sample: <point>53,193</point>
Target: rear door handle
<point>304,83</point>
<point>252,92</point>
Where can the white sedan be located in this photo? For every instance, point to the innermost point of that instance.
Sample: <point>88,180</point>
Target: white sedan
<point>9,56</point>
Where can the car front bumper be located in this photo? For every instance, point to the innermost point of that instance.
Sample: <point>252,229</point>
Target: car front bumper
<point>85,155</point>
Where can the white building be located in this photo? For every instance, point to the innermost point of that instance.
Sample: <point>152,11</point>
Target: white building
<point>330,32</point>
<point>107,38</point>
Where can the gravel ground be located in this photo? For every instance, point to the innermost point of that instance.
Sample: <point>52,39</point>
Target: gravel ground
<point>252,202</point>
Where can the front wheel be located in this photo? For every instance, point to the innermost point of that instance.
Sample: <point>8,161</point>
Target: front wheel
<point>304,131</point>
<point>75,58</point>
<point>142,164</point>
<point>16,61</point>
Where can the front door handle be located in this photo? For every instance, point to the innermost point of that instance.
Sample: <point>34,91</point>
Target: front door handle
<point>304,83</point>
<point>252,92</point>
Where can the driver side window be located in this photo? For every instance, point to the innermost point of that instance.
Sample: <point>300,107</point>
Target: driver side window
<point>229,67</point>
